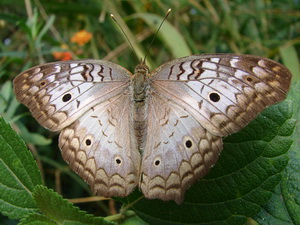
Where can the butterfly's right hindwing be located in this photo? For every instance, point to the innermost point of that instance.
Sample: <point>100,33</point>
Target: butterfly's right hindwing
<point>178,151</point>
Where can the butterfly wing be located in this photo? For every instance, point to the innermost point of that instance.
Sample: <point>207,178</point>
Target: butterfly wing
<point>194,101</point>
<point>59,93</point>
<point>89,101</point>
<point>223,91</point>
<point>178,150</point>
<point>98,147</point>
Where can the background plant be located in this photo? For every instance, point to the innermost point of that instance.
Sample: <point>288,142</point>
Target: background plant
<point>34,32</point>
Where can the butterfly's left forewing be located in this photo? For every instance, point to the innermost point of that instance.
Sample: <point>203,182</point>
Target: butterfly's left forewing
<point>59,93</point>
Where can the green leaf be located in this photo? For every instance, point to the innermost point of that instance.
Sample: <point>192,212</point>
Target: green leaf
<point>36,219</point>
<point>291,60</point>
<point>33,138</point>
<point>61,211</point>
<point>242,181</point>
<point>284,206</point>
<point>134,220</point>
<point>169,34</point>
<point>18,174</point>
<point>8,102</point>
<point>45,28</point>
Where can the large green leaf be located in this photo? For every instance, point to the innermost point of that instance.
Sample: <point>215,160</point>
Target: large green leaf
<point>57,210</point>
<point>284,207</point>
<point>19,174</point>
<point>242,181</point>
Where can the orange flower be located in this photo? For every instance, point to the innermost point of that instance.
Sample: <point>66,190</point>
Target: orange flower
<point>63,56</point>
<point>81,37</point>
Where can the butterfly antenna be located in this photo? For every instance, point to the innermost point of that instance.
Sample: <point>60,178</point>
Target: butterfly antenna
<point>167,14</point>
<point>112,16</point>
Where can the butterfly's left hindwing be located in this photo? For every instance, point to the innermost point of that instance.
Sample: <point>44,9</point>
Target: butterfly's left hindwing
<point>98,147</point>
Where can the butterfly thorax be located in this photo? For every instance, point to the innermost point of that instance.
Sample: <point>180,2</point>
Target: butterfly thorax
<point>140,82</point>
<point>139,92</point>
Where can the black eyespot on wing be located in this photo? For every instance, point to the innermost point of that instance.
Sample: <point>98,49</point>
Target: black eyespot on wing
<point>215,97</point>
<point>43,83</point>
<point>188,144</point>
<point>88,142</point>
<point>249,79</point>
<point>157,162</point>
<point>67,97</point>
<point>118,161</point>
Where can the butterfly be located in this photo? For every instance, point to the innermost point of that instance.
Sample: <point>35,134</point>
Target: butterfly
<point>162,130</point>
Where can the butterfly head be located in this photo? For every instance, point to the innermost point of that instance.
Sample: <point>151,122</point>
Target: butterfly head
<point>141,69</point>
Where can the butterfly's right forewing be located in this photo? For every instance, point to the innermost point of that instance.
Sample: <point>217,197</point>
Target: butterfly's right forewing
<point>223,91</point>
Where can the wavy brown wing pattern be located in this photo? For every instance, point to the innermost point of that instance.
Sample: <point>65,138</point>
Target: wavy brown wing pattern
<point>162,130</point>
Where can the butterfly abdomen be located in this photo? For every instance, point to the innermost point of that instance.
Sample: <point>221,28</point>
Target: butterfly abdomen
<point>139,91</point>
